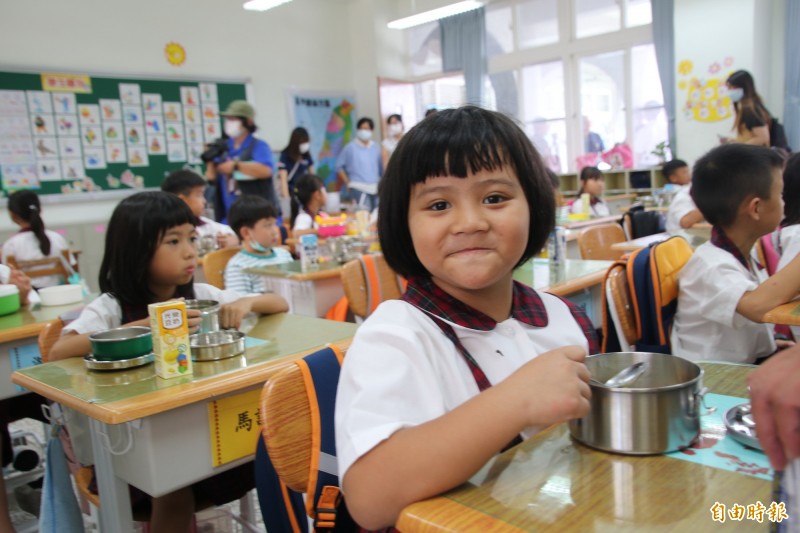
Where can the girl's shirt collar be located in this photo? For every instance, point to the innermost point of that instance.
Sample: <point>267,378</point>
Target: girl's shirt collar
<point>526,305</point>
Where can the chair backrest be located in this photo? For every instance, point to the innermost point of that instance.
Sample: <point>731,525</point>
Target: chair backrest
<point>595,242</point>
<point>297,410</point>
<point>38,268</point>
<point>620,310</point>
<point>653,281</point>
<point>214,265</point>
<point>48,337</point>
<point>368,281</point>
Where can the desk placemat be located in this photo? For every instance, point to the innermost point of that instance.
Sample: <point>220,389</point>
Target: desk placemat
<point>715,448</point>
<point>252,342</point>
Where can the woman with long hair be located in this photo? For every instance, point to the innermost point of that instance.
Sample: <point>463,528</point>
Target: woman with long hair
<point>295,160</point>
<point>752,117</point>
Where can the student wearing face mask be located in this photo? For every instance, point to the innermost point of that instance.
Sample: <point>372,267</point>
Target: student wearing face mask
<point>360,166</point>
<point>247,166</point>
<point>295,161</point>
<point>752,118</point>
<point>394,130</point>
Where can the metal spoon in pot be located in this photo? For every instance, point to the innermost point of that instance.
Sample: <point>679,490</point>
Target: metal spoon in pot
<point>626,376</point>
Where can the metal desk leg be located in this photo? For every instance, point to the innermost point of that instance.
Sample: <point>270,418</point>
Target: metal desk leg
<point>115,504</point>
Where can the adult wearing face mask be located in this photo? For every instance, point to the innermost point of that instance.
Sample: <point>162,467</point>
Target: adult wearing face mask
<point>394,130</point>
<point>247,166</point>
<point>360,166</point>
<point>752,118</point>
<point>295,161</point>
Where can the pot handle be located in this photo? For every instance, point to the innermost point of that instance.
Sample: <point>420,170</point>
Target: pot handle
<point>700,396</point>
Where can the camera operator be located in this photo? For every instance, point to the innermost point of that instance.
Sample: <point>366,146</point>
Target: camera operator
<point>248,163</point>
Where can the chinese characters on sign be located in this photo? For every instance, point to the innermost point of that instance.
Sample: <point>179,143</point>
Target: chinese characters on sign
<point>776,512</point>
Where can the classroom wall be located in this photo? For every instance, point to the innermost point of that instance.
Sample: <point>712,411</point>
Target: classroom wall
<point>714,38</point>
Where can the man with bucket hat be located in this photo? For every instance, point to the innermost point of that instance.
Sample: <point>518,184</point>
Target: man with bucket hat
<point>248,164</point>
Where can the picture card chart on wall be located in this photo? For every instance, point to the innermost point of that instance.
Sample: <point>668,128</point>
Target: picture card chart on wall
<point>74,133</point>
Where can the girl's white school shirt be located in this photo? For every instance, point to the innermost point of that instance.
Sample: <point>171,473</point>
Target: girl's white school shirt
<point>105,312</point>
<point>707,325</point>
<point>788,240</point>
<point>304,221</point>
<point>24,246</point>
<point>599,209</point>
<point>212,227</point>
<point>401,370</point>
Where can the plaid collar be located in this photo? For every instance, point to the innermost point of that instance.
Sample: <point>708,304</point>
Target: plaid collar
<point>720,240</point>
<point>526,305</point>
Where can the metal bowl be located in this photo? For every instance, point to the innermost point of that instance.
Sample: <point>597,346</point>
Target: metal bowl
<point>92,363</point>
<point>121,343</point>
<point>216,345</point>
<point>209,314</point>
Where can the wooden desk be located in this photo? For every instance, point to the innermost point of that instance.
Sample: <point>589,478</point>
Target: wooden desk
<point>694,237</point>
<point>787,314</point>
<point>166,422</point>
<point>19,332</point>
<point>309,293</point>
<point>550,483</point>
<point>580,281</point>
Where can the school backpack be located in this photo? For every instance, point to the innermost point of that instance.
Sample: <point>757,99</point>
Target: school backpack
<point>652,275</point>
<point>777,135</point>
<point>282,508</point>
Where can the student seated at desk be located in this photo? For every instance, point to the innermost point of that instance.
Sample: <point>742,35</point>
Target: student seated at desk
<point>151,256</point>
<point>308,200</point>
<point>468,360</point>
<point>254,220</point>
<point>722,290</point>
<point>33,241</point>
<point>190,187</point>
<point>786,239</point>
<point>682,212</point>
<point>592,183</point>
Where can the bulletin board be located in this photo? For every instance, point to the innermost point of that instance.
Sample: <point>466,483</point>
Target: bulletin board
<point>76,133</point>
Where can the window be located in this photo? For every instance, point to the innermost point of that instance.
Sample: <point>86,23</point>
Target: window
<point>544,113</point>
<point>602,89</point>
<point>499,30</point>
<point>425,49</point>
<point>649,116</point>
<point>594,17</point>
<point>537,22</point>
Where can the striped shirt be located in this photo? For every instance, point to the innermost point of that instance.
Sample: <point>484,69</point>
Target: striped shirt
<point>238,280</point>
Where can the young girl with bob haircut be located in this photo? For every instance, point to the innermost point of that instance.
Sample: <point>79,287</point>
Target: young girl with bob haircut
<point>468,360</point>
<point>593,183</point>
<point>308,200</point>
<point>33,241</point>
<point>151,256</point>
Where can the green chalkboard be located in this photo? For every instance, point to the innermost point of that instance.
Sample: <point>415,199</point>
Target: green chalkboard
<point>73,133</point>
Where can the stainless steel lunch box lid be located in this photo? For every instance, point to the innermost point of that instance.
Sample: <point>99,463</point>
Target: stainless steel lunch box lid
<point>216,345</point>
<point>658,413</point>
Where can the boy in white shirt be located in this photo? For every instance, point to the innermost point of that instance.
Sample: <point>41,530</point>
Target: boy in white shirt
<point>254,220</point>
<point>682,212</point>
<point>722,295</point>
<point>190,187</point>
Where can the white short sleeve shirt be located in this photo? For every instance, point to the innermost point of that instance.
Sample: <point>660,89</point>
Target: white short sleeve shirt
<point>707,326</point>
<point>104,312</point>
<point>682,204</point>
<point>24,246</point>
<point>402,371</point>
<point>788,239</point>
<point>599,209</point>
<point>303,221</point>
<point>211,227</point>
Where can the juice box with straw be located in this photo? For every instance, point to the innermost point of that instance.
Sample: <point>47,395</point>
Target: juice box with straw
<point>170,329</point>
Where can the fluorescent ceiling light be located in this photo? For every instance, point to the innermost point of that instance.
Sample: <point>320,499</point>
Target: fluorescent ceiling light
<point>433,14</point>
<point>263,5</point>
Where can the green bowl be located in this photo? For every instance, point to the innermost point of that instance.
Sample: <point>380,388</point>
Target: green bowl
<point>121,343</point>
<point>9,299</point>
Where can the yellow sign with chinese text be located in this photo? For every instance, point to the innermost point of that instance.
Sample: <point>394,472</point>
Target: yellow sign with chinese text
<point>70,83</point>
<point>235,427</point>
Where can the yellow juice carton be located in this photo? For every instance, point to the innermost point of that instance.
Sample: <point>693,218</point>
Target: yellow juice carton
<point>170,328</point>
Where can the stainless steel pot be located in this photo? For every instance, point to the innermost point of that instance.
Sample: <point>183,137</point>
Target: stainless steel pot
<point>659,413</point>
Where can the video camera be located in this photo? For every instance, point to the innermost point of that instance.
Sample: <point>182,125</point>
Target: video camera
<point>216,149</point>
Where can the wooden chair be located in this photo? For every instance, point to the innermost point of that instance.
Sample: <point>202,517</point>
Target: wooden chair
<point>620,308</point>
<point>48,337</point>
<point>367,281</point>
<point>214,265</point>
<point>595,242</point>
<point>38,268</point>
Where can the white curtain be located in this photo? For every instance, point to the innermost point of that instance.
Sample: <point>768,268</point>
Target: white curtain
<point>664,42</point>
<point>464,48</point>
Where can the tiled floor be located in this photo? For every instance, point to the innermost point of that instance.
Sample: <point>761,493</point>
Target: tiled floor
<point>218,520</point>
